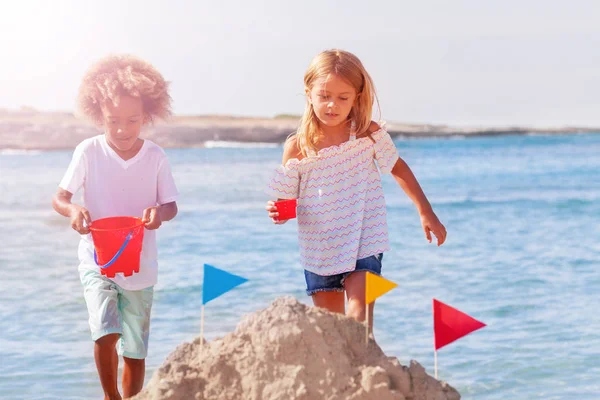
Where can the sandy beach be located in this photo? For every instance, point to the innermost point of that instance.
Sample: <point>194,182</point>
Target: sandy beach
<point>32,130</point>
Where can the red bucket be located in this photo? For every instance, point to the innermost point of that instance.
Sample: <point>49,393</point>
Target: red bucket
<point>118,244</point>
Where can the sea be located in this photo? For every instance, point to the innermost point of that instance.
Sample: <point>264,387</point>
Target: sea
<point>522,256</point>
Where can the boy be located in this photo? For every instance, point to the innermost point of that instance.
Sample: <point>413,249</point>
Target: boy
<point>121,175</point>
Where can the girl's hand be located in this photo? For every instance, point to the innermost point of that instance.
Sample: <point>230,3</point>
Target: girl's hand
<point>431,223</point>
<point>151,218</point>
<point>80,219</point>
<point>273,214</point>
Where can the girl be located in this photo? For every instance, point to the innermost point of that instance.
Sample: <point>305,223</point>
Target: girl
<point>330,165</point>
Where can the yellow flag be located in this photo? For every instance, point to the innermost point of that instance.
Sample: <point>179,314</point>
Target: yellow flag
<point>377,286</point>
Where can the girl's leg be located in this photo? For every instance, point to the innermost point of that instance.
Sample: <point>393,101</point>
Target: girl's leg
<point>326,291</point>
<point>332,301</point>
<point>355,290</point>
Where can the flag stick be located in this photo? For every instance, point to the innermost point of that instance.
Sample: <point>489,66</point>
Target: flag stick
<point>202,326</point>
<point>367,322</point>
<point>434,344</point>
<point>435,362</point>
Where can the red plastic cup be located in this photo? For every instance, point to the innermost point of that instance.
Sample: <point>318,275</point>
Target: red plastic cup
<point>286,209</point>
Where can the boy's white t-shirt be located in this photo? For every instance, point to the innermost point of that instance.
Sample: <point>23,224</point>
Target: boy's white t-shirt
<point>115,187</point>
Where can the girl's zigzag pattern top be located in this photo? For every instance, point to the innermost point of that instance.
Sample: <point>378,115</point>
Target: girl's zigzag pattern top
<point>341,206</point>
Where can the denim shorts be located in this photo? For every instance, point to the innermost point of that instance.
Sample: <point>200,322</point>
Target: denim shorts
<point>335,283</point>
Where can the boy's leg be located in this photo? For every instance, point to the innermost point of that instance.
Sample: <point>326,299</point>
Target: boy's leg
<point>107,363</point>
<point>101,297</point>
<point>135,306</point>
<point>134,371</point>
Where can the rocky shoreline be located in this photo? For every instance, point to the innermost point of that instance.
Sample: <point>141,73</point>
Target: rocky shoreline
<point>30,130</point>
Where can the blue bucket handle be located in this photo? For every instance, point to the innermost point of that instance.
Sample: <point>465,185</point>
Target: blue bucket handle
<point>108,264</point>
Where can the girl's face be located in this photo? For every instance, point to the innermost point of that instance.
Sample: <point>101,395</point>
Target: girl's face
<point>123,123</point>
<point>332,99</point>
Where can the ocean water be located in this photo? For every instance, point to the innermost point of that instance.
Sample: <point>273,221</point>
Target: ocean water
<point>522,214</point>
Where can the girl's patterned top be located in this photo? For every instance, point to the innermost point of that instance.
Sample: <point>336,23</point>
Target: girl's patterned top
<point>340,204</point>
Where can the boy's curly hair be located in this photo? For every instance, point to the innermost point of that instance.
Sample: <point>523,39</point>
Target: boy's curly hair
<point>123,75</point>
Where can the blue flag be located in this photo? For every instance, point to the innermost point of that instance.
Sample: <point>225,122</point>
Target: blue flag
<point>218,282</point>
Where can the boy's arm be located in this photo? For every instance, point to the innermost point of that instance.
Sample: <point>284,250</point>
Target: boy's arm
<point>166,197</point>
<point>408,182</point>
<point>168,211</point>
<point>153,217</point>
<point>61,202</point>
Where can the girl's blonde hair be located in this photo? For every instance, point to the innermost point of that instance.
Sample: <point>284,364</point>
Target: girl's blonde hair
<point>348,67</point>
<point>123,75</point>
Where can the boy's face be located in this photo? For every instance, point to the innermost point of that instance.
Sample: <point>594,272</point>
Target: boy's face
<point>123,123</point>
<point>332,99</point>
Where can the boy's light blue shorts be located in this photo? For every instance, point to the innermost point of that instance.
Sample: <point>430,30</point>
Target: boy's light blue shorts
<point>113,309</point>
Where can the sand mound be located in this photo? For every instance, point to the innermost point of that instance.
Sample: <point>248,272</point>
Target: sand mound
<point>291,351</point>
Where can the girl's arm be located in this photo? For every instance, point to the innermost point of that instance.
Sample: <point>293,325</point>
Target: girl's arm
<point>408,182</point>
<point>290,150</point>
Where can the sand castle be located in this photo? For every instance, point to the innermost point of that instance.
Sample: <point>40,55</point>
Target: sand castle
<point>294,352</point>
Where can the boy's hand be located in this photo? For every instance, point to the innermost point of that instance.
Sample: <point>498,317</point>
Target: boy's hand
<point>273,214</point>
<point>151,218</point>
<point>78,216</point>
<point>431,223</point>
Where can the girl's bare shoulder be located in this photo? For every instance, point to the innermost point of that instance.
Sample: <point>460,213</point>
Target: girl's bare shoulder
<point>291,149</point>
<point>374,127</point>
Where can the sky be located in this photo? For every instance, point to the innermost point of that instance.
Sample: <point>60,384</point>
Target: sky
<point>471,63</point>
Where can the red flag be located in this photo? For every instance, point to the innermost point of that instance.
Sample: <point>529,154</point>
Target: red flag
<point>450,324</point>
